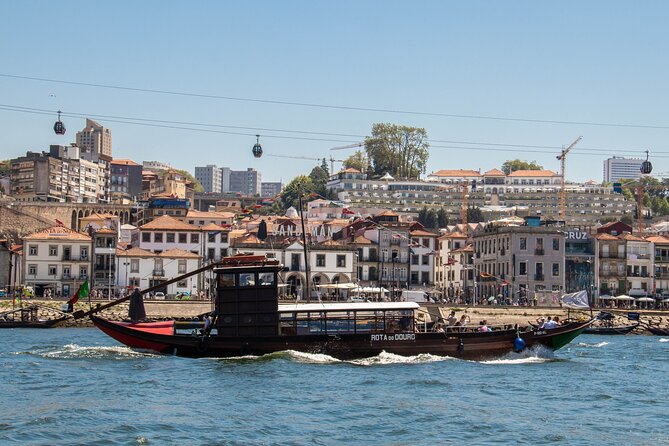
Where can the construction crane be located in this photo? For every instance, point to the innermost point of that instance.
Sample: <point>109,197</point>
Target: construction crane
<point>465,205</point>
<point>349,146</point>
<point>563,192</point>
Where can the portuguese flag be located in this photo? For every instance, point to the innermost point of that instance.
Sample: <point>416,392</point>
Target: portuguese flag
<point>81,292</point>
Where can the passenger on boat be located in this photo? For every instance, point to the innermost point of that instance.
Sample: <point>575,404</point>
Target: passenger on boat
<point>483,326</point>
<point>551,323</point>
<point>541,322</point>
<point>452,319</point>
<point>464,320</point>
<point>439,328</point>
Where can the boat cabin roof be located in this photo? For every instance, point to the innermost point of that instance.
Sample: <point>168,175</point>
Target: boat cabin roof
<point>348,306</point>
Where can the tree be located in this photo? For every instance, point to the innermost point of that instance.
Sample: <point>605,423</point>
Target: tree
<point>442,218</point>
<point>399,150</point>
<point>319,177</point>
<point>513,165</point>
<point>474,215</point>
<point>431,220</point>
<point>301,185</point>
<point>357,161</point>
<point>422,216</point>
<point>628,220</point>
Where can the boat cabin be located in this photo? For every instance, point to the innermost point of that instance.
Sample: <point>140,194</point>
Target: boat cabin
<point>247,305</point>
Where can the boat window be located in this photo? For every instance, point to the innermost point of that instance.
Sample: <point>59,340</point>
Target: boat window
<point>247,279</point>
<point>226,280</point>
<point>266,279</point>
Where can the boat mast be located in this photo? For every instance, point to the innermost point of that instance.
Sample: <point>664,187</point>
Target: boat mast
<point>306,251</point>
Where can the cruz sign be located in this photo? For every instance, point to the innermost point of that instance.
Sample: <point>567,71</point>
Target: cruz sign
<point>576,235</point>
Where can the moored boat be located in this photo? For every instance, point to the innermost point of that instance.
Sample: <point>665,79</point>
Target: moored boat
<point>27,317</point>
<point>248,320</point>
<point>607,327</point>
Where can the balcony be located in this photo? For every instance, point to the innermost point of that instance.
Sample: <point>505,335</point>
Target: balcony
<point>67,257</point>
<point>159,272</point>
<point>539,252</point>
<point>612,274</point>
<point>83,276</point>
<point>638,256</point>
<point>662,259</point>
<point>66,277</point>
<point>539,277</point>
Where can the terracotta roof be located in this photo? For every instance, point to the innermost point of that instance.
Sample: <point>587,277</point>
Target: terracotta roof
<point>422,232</point>
<point>350,170</point>
<point>168,223</point>
<point>658,239</point>
<point>468,248</point>
<point>494,173</point>
<point>125,162</point>
<point>211,215</point>
<point>58,233</point>
<point>456,234</point>
<point>532,173</point>
<point>178,253</point>
<point>606,236</point>
<point>211,227</point>
<point>362,240</point>
<point>387,213</point>
<point>457,173</point>
<point>631,238</point>
<point>105,230</point>
<point>134,252</point>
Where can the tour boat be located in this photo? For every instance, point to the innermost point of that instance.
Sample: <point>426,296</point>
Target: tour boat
<point>248,320</point>
<point>28,317</point>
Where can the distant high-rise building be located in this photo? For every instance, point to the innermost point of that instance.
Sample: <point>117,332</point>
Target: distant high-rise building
<point>270,189</point>
<point>225,179</point>
<point>209,177</point>
<point>95,138</point>
<point>246,181</point>
<point>618,168</point>
<point>126,181</point>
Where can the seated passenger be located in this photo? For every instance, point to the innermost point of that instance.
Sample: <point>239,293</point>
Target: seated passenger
<point>483,326</point>
<point>452,319</point>
<point>550,323</point>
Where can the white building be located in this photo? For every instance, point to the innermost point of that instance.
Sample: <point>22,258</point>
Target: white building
<point>423,250</point>
<point>618,168</point>
<point>139,268</point>
<point>57,259</point>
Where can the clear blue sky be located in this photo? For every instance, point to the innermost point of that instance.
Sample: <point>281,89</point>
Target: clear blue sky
<point>594,61</point>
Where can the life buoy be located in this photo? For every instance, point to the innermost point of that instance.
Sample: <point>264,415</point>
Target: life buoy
<point>519,344</point>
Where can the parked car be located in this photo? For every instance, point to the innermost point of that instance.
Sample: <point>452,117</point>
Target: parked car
<point>159,295</point>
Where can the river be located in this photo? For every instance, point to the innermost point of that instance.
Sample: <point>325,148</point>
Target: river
<point>76,386</point>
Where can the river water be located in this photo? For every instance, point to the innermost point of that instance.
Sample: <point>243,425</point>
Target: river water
<point>76,386</point>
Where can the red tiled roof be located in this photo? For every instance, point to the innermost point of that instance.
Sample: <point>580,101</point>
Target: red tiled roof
<point>168,223</point>
<point>532,173</point>
<point>422,233</point>
<point>494,173</point>
<point>124,162</point>
<point>456,173</point>
<point>606,236</point>
<point>134,252</point>
<point>57,233</point>
<point>178,253</point>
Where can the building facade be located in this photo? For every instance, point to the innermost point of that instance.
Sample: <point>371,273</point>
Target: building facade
<point>618,168</point>
<point>95,138</point>
<point>210,178</point>
<point>247,182</point>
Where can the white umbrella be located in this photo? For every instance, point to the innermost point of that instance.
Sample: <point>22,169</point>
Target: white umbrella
<point>645,299</point>
<point>624,297</point>
<point>606,297</point>
<point>664,301</point>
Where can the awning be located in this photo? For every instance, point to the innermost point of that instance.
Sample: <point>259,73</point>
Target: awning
<point>624,297</point>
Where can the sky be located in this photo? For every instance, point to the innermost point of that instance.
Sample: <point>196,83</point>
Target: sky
<point>490,81</point>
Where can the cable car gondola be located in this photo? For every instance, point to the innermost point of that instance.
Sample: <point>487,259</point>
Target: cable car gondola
<point>646,166</point>
<point>59,127</point>
<point>257,148</point>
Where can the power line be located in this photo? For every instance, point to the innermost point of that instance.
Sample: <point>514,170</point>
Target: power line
<point>201,127</point>
<point>335,107</point>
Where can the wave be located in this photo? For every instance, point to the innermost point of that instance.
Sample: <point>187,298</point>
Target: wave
<point>664,340</point>
<point>597,345</point>
<point>74,351</point>
<point>534,355</point>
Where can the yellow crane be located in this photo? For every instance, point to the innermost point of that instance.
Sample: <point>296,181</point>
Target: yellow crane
<point>563,192</point>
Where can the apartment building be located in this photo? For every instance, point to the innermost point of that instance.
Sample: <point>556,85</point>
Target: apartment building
<point>95,138</point>
<point>619,168</point>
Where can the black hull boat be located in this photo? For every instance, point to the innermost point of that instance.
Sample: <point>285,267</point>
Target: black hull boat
<point>249,321</point>
<point>618,330</point>
<point>658,331</point>
<point>27,318</point>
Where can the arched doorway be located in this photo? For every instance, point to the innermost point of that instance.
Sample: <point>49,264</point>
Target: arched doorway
<point>294,283</point>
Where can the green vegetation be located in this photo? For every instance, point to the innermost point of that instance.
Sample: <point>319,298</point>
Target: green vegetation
<point>399,150</point>
<point>513,165</point>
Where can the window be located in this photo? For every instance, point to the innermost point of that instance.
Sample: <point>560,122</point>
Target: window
<point>157,237</point>
<point>195,238</point>
<point>53,250</point>
<point>32,270</point>
<point>211,237</point>
<point>224,253</point>
<point>133,281</point>
<point>266,279</point>
<point>414,259</point>
<point>320,260</point>
<point>224,237</point>
<point>83,272</point>
<point>169,237</point>
<point>226,280</point>
<point>211,253</point>
<point>425,260</point>
<point>181,268</point>
<point>523,243</point>
<point>182,284</point>
<point>134,265</point>
<point>32,250</point>
<point>425,277</point>
<point>83,252</point>
<point>247,279</point>
<point>146,237</point>
<point>183,238</point>
<point>556,244</point>
<point>556,269</point>
<point>341,261</point>
<point>52,270</point>
<point>522,269</point>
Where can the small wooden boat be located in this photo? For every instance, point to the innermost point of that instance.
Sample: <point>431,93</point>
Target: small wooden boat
<point>658,331</point>
<point>27,318</point>
<point>607,327</point>
<point>248,320</point>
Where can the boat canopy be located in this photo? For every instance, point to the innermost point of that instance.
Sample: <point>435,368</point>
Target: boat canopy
<point>348,306</point>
